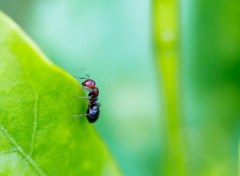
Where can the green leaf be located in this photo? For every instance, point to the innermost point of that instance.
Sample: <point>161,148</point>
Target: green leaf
<point>38,133</point>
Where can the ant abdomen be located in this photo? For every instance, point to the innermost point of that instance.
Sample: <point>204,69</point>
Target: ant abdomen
<point>93,112</point>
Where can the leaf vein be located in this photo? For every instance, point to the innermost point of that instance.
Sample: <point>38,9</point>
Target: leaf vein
<point>7,151</point>
<point>34,125</point>
<point>21,151</point>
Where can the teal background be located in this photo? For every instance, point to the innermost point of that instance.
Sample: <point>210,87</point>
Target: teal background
<point>112,41</point>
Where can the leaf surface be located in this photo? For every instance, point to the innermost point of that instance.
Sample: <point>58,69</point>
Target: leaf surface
<point>38,133</point>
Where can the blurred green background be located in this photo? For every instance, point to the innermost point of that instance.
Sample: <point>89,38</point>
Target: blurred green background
<point>168,73</point>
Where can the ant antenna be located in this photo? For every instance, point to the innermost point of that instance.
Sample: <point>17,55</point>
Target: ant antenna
<point>86,77</point>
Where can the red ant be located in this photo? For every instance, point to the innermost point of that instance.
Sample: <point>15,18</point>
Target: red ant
<point>93,107</point>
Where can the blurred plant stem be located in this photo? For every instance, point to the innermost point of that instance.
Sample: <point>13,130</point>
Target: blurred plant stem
<point>239,157</point>
<point>166,29</point>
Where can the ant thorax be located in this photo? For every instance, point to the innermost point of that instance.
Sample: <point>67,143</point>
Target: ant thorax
<point>94,92</point>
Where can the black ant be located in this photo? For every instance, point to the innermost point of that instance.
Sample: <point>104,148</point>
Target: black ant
<point>93,110</point>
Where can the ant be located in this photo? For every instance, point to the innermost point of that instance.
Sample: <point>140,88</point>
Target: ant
<point>93,110</point>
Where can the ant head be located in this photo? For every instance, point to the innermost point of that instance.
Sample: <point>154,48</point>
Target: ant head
<point>89,83</point>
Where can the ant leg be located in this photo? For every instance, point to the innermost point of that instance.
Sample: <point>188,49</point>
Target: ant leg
<point>80,115</point>
<point>86,88</point>
<point>81,97</point>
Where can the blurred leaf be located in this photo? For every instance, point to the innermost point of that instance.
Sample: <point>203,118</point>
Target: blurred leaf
<point>39,135</point>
